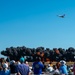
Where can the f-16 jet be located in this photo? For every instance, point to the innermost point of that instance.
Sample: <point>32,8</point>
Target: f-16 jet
<point>61,16</point>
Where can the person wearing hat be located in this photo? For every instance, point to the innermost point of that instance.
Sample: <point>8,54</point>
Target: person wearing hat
<point>5,70</point>
<point>63,68</point>
<point>23,69</point>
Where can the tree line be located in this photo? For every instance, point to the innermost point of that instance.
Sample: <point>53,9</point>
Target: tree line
<point>56,54</point>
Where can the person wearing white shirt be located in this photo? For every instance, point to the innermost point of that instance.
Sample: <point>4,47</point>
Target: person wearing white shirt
<point>50,68</point>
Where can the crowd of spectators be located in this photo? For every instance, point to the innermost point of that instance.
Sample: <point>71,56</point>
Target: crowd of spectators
<point>22,67</point>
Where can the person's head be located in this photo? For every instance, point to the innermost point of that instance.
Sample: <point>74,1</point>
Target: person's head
<point>22,60</point>
<point>12,62</point>
<point>48,65</point>
<point>62,62</point>
<point>18,62</point>
<point>26,63</point>
<point>55,67</point>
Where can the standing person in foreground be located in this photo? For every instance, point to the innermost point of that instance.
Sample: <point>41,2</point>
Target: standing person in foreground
<point>13,67</point>
<point>38,66</point>
<point>22,69</point>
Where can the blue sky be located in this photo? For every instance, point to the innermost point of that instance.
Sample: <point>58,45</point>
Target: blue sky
<point>34,23</point>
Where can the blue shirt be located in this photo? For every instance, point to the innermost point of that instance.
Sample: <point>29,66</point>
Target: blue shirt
<point>0,72</point>
<point>7,72</point>
<point>23,69</point>
<point>37,67</point>
<point>63,69</point>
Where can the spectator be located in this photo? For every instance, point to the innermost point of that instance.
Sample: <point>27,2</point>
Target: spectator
<point>58,65</point>
<point>8,59</point>
<point>38,66</point>
<point>18,62</point>
<point>13,68</point>
<point>5,65</point>
<point>30,68</point>
<point>27,63</point>
<point>23,69</point>
<point>56,71</point>
<point>51,64</point>
<point>63,68</point>
<point>50,68</point>
<point>5,71</point>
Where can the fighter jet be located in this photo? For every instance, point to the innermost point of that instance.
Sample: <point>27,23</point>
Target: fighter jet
<point>61,16</point>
